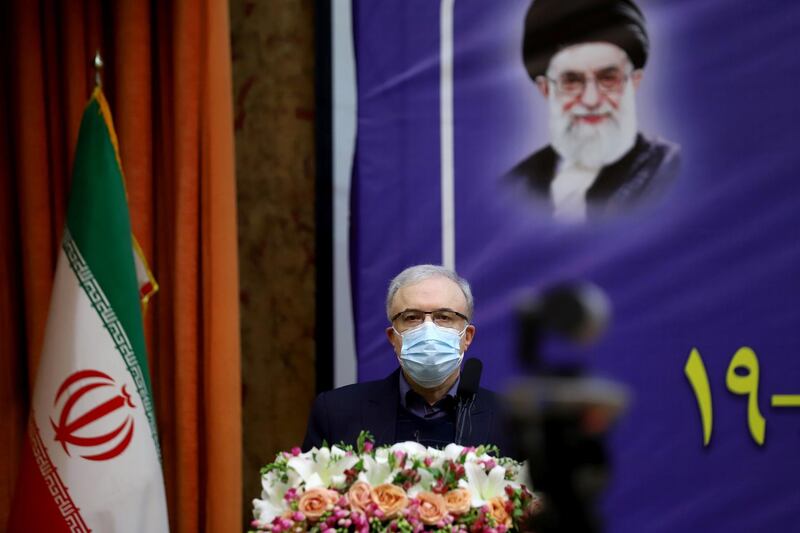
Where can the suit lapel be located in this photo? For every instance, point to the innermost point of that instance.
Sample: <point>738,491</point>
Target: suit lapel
<point>379,412</point>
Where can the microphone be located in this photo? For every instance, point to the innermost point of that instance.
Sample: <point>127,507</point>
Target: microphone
<point>467,388</point>
<point>470,378</point>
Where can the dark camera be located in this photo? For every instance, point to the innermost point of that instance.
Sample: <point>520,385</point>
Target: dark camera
<point>559,414</point>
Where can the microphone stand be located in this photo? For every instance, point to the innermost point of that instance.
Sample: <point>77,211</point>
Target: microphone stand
<point>463,412</point>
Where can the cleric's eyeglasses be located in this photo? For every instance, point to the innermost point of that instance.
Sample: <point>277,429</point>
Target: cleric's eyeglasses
<point>445,318</point>
<point>607,80</point>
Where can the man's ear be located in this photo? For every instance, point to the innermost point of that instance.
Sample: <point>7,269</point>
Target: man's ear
<point>544,87</point>
<point>636,77</point>
<point>394,339</point>
<point>469,334</point>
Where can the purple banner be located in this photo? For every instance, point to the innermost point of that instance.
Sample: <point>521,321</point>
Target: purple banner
<point>707,259</point>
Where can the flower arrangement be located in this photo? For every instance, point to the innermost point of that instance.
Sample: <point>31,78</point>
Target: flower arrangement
<point>405,487</point>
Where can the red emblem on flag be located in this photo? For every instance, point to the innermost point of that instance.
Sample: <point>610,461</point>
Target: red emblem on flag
<point>75,428</point>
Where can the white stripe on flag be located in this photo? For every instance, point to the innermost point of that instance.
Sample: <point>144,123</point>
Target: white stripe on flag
<point>446,133</point>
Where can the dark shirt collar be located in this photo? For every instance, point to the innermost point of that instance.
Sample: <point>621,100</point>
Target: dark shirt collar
<point>417,405</point>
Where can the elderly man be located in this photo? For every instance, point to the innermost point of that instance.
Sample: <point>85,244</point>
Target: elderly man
<point>429,309</point>
<point>586,58</point>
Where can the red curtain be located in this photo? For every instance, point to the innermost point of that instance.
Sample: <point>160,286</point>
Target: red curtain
<point>167,77</point>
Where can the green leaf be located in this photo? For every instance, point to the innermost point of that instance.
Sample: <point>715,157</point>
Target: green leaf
<point>363,437</point>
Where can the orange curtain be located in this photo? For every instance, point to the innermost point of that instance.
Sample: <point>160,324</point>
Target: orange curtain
<point>167,77</point>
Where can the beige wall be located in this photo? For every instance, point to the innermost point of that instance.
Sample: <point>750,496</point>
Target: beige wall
<point>273,82</point>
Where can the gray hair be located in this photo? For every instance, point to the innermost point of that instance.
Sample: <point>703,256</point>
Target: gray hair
<point>417,273</point>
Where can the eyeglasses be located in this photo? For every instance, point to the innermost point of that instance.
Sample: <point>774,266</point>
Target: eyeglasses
<point>607,80</point>
<point>446,318</point>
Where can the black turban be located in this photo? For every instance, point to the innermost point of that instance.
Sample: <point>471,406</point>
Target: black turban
<point>551,25</point>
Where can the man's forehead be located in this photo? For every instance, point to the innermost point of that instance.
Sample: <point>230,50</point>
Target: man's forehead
<point>435,292</point>
<point>588,56</point>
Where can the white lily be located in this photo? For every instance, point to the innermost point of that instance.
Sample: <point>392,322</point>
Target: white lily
<point>410,449</point>
<point>376,469</point>
<point>453,451</point>
<point>273,490</point>
<point>323,467</point>
<point>425,483</point>
<point>436,456</point>
<point>482,486</point>
<point>523,476</point>
<point>265,511</point>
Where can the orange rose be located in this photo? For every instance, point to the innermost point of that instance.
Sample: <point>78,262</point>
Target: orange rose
<point>432,508</point>
<point>457,501</point>
<point>497,506</point>
<point>359,495</point>
<point>314,502</point>
<point>390,499</point>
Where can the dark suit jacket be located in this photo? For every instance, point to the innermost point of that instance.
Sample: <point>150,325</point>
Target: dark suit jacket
<point>640,175</point>
<point>341,414</point>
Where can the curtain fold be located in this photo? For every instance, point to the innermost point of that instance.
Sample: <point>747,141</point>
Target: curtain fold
<point>221,297</point>
<point>168,82</point>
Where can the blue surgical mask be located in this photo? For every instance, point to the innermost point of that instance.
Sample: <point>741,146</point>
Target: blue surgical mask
<point>430,353</point>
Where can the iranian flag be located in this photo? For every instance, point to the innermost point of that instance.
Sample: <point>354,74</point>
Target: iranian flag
<point>91,461</point>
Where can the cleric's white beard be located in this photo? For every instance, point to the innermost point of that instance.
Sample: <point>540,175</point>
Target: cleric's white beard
<point>594,145</point>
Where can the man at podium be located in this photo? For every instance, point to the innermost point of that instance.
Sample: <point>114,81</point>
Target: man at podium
<point>427,399</point>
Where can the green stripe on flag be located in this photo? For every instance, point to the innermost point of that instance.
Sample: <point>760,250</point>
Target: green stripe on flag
<point>99,225</point>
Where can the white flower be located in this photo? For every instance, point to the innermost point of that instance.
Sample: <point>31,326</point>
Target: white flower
<point>265,511</point>
<point>322,467</point>
<point>376,469</point>
<point>453,451</point>
<point>523,475</point>
<point>482,486</point>
<point>272,503</point>
<point>425,483</point>
<point>436,457</point>
<point>410,449</point>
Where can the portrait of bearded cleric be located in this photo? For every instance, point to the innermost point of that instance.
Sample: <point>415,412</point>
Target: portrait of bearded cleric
<point>587,60</point>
